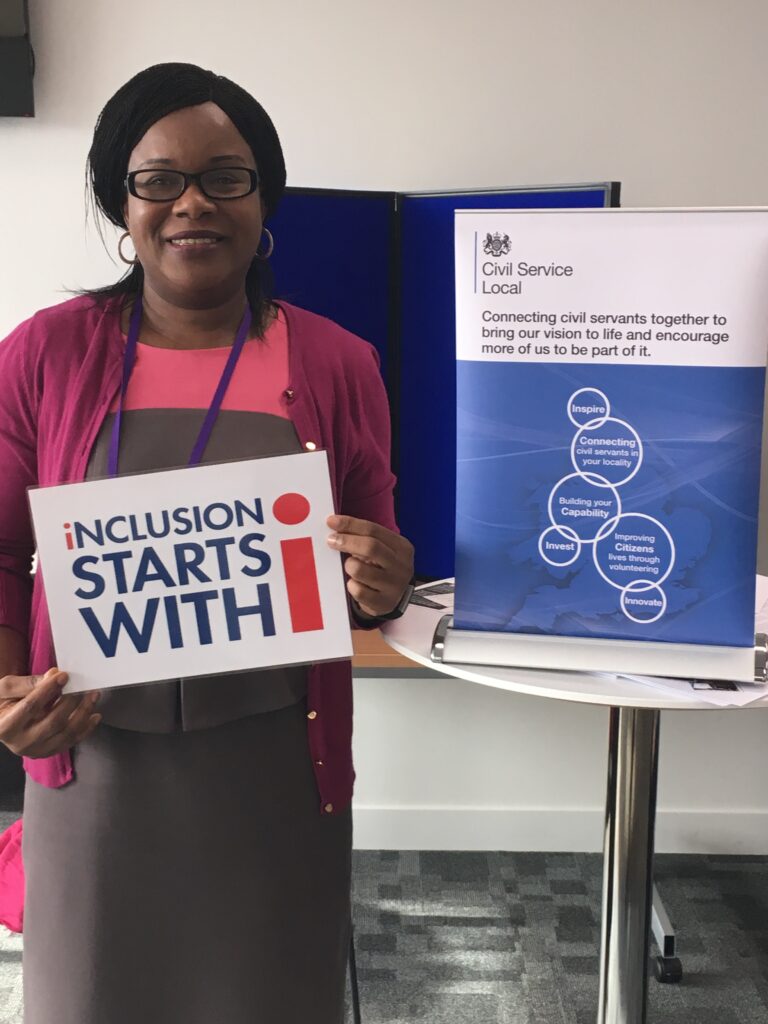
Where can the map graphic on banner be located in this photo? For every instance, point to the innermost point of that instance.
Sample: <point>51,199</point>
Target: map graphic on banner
<point>189,572</point>
<point>611,377</point>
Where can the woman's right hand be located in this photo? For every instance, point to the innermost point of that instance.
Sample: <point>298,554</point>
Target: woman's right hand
<point>36,720</point>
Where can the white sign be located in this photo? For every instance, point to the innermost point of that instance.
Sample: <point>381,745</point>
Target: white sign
<point>610,392</point>
<point>612,287</point>
<point>192,572</point>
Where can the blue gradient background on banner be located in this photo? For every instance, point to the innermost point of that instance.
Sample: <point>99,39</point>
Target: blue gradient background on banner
<point>701,432</point>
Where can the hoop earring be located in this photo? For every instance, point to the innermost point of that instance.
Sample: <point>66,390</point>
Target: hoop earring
<point>271,246</point>
<point>135,260</point>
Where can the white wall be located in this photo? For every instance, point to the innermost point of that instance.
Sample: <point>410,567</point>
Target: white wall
<point>451,765</point>
<point>668,96</point>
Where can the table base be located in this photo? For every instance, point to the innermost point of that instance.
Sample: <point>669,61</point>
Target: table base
<point>633,756</point>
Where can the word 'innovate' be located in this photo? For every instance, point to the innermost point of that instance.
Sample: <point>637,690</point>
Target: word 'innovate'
<point>207,560</point>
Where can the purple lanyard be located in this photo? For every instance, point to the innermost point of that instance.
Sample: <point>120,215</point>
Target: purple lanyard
<point>210,417</point>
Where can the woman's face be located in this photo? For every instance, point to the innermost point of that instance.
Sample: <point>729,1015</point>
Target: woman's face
<point>194,139</point>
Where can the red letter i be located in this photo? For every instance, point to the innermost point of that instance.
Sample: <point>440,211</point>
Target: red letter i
<point>68,535</point>
<point>299,566</point>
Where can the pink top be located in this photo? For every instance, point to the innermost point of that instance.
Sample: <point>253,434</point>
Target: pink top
<point>171,378</point>
<point>61,370</point>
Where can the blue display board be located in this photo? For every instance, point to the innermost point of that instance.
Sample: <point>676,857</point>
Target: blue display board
<point>382,265</point>
<point>334,254</point>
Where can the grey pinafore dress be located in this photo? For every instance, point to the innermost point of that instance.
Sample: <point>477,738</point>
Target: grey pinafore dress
<point>186,875</point>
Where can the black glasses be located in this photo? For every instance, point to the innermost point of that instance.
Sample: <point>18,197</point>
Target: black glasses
<point>163,186</point>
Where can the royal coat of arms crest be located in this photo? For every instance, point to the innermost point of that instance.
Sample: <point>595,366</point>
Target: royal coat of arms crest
<point>496,244</point>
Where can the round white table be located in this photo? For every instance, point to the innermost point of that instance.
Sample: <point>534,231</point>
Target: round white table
<point>633,751</point>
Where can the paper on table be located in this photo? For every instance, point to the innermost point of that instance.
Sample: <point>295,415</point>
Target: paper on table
<point>719,694</point>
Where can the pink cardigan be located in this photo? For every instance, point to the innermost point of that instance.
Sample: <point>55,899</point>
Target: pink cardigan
<point>59,372</point>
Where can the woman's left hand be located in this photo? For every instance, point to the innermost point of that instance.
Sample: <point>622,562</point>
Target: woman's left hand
<point>379,562</point>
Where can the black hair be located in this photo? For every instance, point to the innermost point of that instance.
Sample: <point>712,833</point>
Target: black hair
<point>150,95</point>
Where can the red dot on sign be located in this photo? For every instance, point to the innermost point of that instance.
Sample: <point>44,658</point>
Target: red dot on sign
<point>291,509</point>
<point>67,526</point>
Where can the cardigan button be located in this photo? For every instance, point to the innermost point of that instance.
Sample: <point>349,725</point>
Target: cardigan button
<point>310,446</point>
<point>328,808</point>
<point>312,715</point>
<point>319,764</point>
<point>289,394</point>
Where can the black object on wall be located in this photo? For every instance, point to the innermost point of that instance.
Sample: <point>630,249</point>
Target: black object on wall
<point>17,60</point>
<point>382,265</point>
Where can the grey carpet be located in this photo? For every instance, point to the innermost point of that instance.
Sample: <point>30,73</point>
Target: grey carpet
<point>512,938</point>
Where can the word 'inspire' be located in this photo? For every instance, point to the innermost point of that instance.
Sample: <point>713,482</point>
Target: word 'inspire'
<point>189,573</point>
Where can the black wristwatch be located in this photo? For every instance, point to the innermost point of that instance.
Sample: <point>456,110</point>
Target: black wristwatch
<point>401,605</point>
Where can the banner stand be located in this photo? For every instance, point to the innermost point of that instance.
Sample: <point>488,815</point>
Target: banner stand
<point>585,654</point>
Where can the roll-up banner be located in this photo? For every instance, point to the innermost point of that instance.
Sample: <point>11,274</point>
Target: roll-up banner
<point>611,377</point>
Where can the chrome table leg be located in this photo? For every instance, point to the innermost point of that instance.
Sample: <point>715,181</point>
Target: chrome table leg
<point>627,868</point>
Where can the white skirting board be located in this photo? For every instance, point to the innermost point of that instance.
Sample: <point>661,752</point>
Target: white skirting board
<point>551,830</point>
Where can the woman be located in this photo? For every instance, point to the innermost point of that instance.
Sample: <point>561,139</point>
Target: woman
<point>187,846</point>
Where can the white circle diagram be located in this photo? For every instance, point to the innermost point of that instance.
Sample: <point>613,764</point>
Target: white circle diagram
<point>588,478</point>
<point>596,425</point>
<point>633,550</point>
<point>590,391</point>
<point>610,527</point>
<point>561,531</point>
<point>643,587</point>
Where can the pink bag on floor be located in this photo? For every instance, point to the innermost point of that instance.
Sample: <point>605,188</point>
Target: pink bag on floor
<point>11,879</point>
